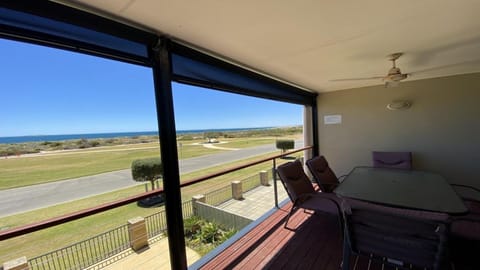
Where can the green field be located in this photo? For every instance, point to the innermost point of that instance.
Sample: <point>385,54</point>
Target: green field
<point>72,232</point>
<point>70,164</point>
<point>37,169</point>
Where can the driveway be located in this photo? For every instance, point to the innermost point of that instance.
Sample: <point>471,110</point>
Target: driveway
<point>18,200</point>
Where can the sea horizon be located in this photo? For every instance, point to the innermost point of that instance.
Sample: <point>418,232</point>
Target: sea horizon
<point>107,135</point>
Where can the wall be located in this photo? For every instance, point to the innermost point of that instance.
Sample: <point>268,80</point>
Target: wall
<point>442,128</point>
<point>220,216</point>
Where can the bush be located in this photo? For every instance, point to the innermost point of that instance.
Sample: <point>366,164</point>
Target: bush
<point>285,145</point>
<point>203,236</point>
<point>94,143</point>
<point>185,138</point>
<point>148,169</point>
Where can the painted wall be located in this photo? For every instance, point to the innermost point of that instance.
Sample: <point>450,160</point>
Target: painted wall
<point>442,128</point>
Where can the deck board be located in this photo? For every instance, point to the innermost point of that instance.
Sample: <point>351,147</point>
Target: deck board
<point>314,243</point>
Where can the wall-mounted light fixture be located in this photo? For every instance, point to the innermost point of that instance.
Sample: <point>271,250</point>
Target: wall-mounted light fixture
<point>399,105</point>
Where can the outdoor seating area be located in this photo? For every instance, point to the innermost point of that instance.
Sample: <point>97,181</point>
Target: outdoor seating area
<point>373,234</point>
<point>314,244</point>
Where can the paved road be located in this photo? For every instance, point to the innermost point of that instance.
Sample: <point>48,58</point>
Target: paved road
<point>24,199</point>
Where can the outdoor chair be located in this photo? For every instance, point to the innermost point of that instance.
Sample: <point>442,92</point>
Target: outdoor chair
<point>322,174</point>
<point>471,201</point>
<point>465,229</point>
<point>398,237</point>
<point>392,160</point>
<point>301,192</point>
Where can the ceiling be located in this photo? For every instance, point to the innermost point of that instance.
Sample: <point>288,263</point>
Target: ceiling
<point>310,43</point>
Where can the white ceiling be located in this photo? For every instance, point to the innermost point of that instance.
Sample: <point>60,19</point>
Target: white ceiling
<point>309,43</point>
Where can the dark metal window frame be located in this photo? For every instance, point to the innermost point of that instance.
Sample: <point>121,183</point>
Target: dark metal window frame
<point>159,58</point>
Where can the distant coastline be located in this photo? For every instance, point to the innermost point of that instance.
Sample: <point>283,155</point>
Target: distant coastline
<point>64,137</point>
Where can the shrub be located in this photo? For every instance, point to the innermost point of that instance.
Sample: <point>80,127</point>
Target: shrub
<point>285,145</point>
<point>94,143</point>
<point>203,236</point>
<point>185,138</point>
<point>212,136</point>
<point>148,169</point>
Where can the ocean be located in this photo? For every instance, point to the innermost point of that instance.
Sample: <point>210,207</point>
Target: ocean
<point>64,137</point>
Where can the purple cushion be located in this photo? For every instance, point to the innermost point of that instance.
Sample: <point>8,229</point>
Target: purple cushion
<point>435,216</point>
<point>325,202</point>
<point>394,160</point>
<point>468,229</point>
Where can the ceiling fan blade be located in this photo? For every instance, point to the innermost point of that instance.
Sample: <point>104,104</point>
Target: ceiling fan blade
<point>474,61</point>
<point>357,79</point>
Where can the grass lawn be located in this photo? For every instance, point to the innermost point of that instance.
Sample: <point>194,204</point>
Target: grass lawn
<point>43,241</point>
<point>69,164</point>
<point>37,169</point>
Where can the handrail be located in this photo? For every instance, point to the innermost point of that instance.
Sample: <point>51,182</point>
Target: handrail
<point>36,226</point>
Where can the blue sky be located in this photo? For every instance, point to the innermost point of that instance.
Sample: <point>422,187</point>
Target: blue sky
<point>49,91</point>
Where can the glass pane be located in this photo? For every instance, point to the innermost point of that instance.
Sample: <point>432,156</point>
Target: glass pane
<point>217,131</point>
<point>71,127</point>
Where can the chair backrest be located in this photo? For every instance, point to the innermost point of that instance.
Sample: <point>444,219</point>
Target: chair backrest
<point>322,173</point>
<point>393,160</point>
<point>295,180</point>
<point>403,240</point>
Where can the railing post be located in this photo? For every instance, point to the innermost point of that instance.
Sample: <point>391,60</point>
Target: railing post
<point>275,192</point>
<point>195,199</point>
<point>264,178</point>
<point>137,232</point>
<point>16,264</point>
<point>237,193</point>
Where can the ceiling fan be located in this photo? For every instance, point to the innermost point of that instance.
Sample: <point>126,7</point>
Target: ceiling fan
<point>393,77</point>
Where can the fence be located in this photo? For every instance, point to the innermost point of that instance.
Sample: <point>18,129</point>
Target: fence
<point>85,253</point>
<point>224,194</point>
<point>221,217</point>
<point>156,223</point>
<point>96,249</point>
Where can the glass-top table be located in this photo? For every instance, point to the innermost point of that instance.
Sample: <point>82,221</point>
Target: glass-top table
<point>404,188</point>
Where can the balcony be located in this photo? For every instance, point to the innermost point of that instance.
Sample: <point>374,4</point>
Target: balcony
<point>440,126</point>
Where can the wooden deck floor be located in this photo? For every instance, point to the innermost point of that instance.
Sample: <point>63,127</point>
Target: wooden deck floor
<point>314,243</point>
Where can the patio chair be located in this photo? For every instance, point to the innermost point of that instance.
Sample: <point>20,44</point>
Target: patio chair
<point>465,229</point>
<point>392,160</point>
<point>472,202</point>
<point>322,174</point>
<point>398,237</point>
<point>301,192</point>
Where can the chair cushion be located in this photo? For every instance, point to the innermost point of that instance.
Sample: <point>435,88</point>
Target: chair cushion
<point>322,173</point>
<point>295,179</point>
<point>468,229</point>
<point>394,160</point>
<point>434,216</point>
<point>325,202</point>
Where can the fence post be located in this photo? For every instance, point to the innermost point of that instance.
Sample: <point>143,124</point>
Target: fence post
<point>264,178</point>
<point>137,232</point>
<point>16,264</point>
<point>195,199</point>
<point>237,190</point>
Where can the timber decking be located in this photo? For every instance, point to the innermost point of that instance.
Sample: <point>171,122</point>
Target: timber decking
<point>315,243</point>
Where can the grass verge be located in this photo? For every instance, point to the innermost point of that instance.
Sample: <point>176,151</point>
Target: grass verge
<point>43,241</point>
<point>37,169</point>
